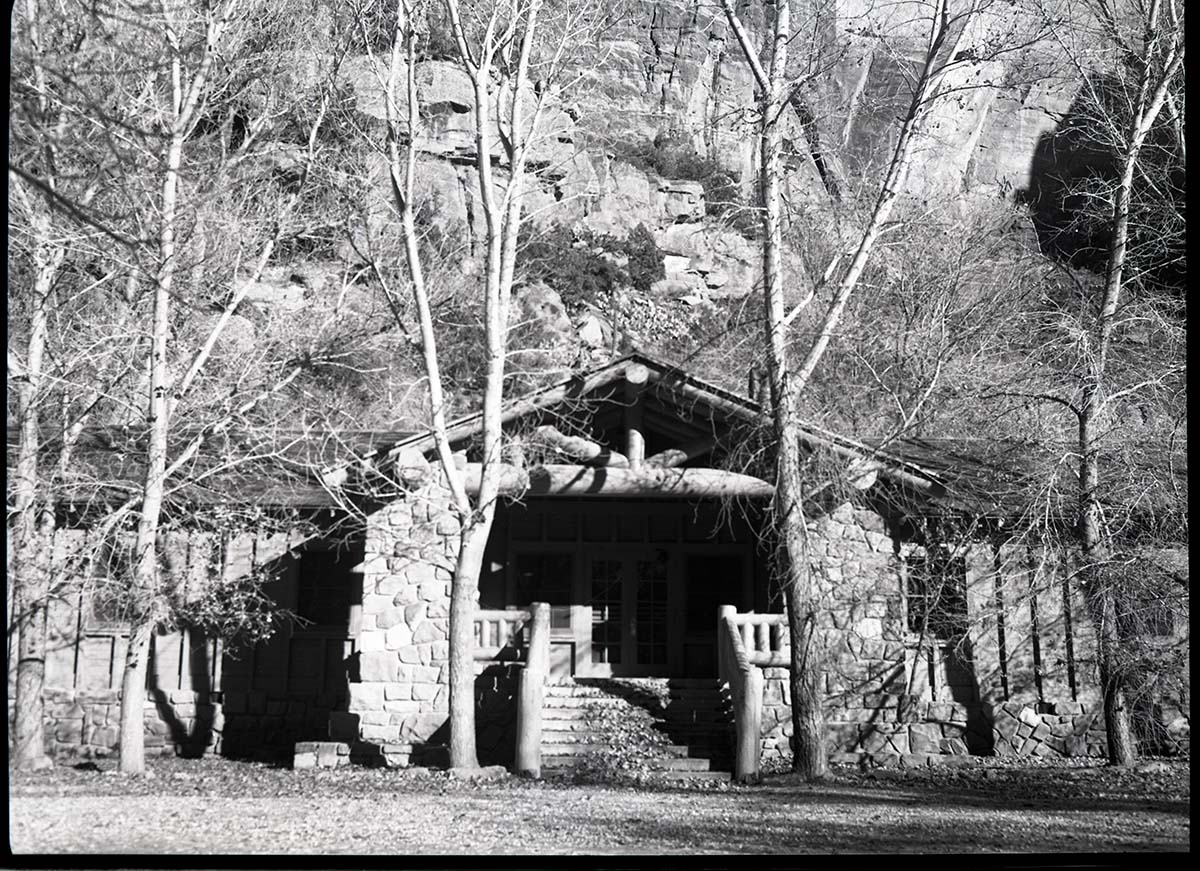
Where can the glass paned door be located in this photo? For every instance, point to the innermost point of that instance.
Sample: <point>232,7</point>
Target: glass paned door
<point>627,595</point>
<point>650,624</point>
<point>607,590</point>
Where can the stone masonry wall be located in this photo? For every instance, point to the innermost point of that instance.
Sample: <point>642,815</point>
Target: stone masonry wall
<point>401,701</point>
<point>86,723</point>
<point>892,702</point>
<point>879,704</point>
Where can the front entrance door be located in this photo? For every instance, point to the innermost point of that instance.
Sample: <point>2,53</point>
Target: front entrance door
<point>626,594</point>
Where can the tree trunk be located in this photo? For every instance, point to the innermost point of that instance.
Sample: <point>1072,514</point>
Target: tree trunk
<point>31,594</point>
<point>145,579</point>
<point>808,721</point>
<point>133,700</point>
<point>34,511</point>
<point>1104,598</point>
<point>464,593</point>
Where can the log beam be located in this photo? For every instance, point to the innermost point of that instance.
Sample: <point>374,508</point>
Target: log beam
<point>578,448</point>
<point>591,481</point>
<point>672,457</point>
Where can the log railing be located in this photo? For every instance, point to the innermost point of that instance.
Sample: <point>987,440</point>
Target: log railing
<point>502,636</point>
<point>746,644</point>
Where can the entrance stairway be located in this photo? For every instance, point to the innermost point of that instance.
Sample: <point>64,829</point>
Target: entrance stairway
<point>680,727</point>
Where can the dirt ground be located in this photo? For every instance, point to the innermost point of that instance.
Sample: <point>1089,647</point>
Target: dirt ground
<point>223,806</point>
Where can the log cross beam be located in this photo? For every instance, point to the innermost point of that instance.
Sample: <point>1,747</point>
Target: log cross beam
<point>672,457</point>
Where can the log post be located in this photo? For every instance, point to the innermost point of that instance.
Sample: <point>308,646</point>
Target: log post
<point>528,760</point>
<point>749,727</point>
<point>635,440</point>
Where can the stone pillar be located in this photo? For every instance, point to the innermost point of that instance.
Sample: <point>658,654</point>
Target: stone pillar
<point>401,698</point>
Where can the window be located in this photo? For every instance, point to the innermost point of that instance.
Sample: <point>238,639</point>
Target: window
<point>546,578</point>
<point>935,589</point>
<point>106,605</point>
<point>326,586</point>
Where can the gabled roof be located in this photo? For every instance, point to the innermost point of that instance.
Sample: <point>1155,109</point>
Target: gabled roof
<point>285,469</point>
<point>671,385</point>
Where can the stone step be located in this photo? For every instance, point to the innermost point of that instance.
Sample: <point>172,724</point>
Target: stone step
<point>582,701</point>
<point>580,749</point>
<point>581,713</point>
<point>684,768</point>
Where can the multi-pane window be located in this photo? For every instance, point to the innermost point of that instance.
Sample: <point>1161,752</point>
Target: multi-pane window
<point>546,577</point>
<point>651,614</point>
<point>325,588</point>
<point>935,590</point>
<point>607,581</point>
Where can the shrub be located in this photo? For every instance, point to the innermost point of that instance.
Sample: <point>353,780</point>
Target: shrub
<point>673,159</point>
<point>583,266</point>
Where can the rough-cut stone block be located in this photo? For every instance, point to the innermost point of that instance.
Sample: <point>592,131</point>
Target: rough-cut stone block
<point>421,573</point>
<point>424,691</point>
<point>381,733</point>
<point>1004,748</point>
<point>419,727</point>
<point>428,674</point>
<point>397,692</point>
<point>389,617</point>
<point>304,759</point>
<point>433,591</point>
<point>378,666</point>
<point>106,736</point>
<point>1005,727</point>
<point>427,632</point>
<point>415,613</point>
<point>399,712</point>
<point>398,636</point>
<point>914,760</point>
<point>921,741</point>
<point>410,655</point>
<point>366,697</point>
<point>1028,717</point>
<point>869,627</point>
<point>376,604</point>
<point>408,595</point>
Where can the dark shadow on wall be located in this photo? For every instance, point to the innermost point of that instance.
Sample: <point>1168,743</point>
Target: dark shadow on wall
<point>189,735</point>
<point>1073,172</point>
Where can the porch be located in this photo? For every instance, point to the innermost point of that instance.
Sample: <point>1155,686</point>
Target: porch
<point>633,585</point>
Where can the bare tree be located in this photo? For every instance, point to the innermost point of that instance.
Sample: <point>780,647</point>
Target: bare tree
<point>1145,46</point>
<point>64,319</point>
<point>788,376</point>
<point>497,46</point>
<point>177,131</point>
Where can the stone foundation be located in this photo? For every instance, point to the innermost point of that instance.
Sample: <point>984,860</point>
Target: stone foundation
<point>86,724</point>
<point>1048,729</point>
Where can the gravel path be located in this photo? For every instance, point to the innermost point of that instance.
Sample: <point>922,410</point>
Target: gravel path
<point>216,807</point>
